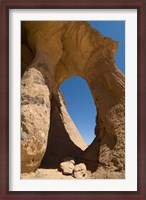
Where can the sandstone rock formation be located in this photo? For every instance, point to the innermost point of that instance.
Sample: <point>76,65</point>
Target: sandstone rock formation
<point>51,53</point>
<point>67,167</point>
<point>80,171</point>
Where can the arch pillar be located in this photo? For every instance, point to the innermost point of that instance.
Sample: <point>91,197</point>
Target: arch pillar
<point>109,97</point>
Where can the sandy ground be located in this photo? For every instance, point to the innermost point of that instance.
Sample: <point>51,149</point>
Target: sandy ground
<point>56,174</point>
<point>49,174</point>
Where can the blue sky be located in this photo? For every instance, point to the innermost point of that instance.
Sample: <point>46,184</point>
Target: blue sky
<point>80,103</point>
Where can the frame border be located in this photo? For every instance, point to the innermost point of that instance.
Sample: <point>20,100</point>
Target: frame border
<point>5,5</point>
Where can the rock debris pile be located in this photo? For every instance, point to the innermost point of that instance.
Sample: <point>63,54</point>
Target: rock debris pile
<point>69,167</point>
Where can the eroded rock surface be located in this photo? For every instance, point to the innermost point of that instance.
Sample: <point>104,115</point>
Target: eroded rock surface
<point>51,53</point>
<point>67,167</point>
<point>35,111</point>
<point>80,171</point>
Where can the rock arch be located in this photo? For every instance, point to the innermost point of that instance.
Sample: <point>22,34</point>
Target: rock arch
<point>51,53</point>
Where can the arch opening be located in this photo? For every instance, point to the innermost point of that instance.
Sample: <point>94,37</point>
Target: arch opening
<point>72,123</point>
<point>80,106</point>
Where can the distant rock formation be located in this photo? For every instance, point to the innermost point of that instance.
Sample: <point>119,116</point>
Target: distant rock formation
<point>51,53</point>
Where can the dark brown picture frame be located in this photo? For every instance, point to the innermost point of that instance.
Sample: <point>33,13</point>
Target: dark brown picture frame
<point>6,5</point>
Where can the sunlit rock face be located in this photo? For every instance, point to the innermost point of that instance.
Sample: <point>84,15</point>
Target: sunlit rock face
<point>51,53</point>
